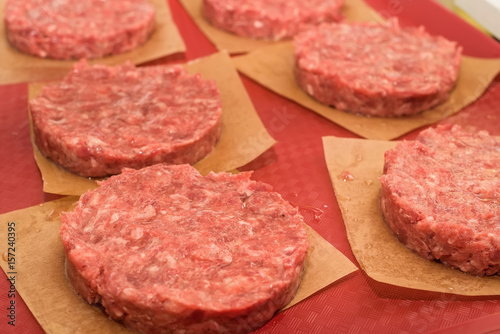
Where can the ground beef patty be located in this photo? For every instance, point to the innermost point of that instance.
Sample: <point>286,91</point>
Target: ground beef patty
<point>74,29</point>
<point>376,69</point>
<point>166,250</point>
<point>440,196</point>
<point>100,119</point>
<point>275,20</point>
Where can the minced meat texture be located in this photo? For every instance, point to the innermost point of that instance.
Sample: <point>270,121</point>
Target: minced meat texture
<point>100,119</point>
<point>74,29</point>
<point>440,197</point>
<point>272,20</point>
<point>376,69</point>
<point>166,248</point>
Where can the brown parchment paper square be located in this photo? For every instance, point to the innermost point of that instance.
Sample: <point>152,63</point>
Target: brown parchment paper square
<point>43,286</point>
<point>243,138</point>
<point>273,67</point>
<point>378,251</point>
<point>353,10</point>
<point>17,67</point>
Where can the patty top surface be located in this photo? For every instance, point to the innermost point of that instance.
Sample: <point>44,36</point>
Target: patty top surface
<point>278,9</point>
<point>450,179</point>
<point>126,111</point>
<point>379,58</point>
<point>70,18</point>
<point>165,236</point>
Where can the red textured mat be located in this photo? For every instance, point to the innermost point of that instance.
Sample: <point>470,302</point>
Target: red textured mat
<point>295,167</point>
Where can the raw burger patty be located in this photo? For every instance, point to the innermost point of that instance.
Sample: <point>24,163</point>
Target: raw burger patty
<point>73,29</point>
<point>164,249</point>
<point>376,69</point>
<point>275,20</point>
<point>100,119</point>
<point>440,196</point>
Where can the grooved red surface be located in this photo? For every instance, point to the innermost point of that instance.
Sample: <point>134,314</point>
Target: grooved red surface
<point>295,167</point>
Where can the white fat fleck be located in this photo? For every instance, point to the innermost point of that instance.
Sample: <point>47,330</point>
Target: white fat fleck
<point>208,102</point>
<point>255,253</point>
<point>161,105</point>
<point>137,233</point>
<point>127,292</point>
<point>132,74</point>
<point>93,142</point>
<point>226,258</point>
<point>117,241</point>
<point>433,178</point>
<point>147,213</point>
<point>209,194</point>
<point>171,261</point>
<point>153,269</point>
<point>95,199</point>
<point>167,259</point>
<point>181,201</point>
<point>206,283</point>
<point>232,280</point>
<point>74,140</point>
<point>244,189</point>
<point>114,217</point>
<point>247,225</point>
<point>258,24</point>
